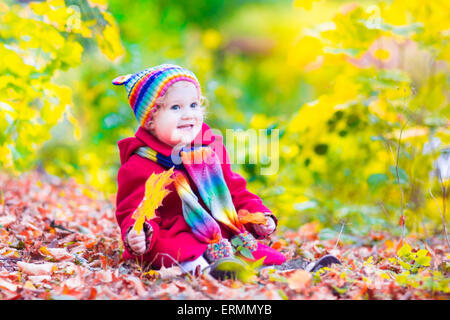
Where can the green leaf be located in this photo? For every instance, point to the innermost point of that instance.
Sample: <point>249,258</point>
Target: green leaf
<point>236,241</point>
<point>282,294</point>
<point>403,177</point>
<point>404,250</point>
<point>404,265</point>
<point>246,253</point>
<point>258,263</point>
<point>340,290</point>
<point>377,180</point>
<point>242,269</point>
<point>422,253</point>
<point>423,261</point>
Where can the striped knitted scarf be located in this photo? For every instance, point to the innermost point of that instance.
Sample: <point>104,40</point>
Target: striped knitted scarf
<point>203,166</point>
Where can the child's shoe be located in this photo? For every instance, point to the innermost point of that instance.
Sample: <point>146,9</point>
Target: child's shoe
<point>300,263</point>
<point>219,250</point>
<point>325,261</point>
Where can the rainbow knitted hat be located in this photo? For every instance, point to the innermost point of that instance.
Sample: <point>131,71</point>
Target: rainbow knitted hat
<point>146,86</point>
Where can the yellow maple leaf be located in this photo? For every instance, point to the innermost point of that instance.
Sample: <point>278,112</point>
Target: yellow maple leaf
<point>155,192</point>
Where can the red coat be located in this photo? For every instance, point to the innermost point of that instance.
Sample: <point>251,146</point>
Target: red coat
<point>171,234</point>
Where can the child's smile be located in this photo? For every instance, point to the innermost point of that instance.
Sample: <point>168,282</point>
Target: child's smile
<point>179,117</point>
<point>186,127</point>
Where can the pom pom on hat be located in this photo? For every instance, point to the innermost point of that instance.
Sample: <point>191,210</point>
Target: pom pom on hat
<point>145,87</point>
<point>122,79</point>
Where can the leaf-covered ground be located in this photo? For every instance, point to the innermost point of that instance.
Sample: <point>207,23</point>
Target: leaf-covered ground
<point>59,240</point>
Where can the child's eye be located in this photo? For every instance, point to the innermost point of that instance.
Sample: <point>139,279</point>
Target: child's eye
<point>193,105</point>
<point>175,107</point>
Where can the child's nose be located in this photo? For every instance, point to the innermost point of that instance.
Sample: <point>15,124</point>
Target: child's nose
<point>187,113</point>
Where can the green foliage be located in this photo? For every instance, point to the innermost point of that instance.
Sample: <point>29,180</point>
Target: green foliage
<point>412,261</point>
<point>415,270</point>
<point>238,246</point>
<point>243,270</point>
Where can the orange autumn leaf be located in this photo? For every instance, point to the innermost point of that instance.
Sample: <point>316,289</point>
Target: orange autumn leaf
<point>276,245</point>
<point>299,280</point>
<point>155,192</point>
<point>309,231</point>
<point>247,217</point>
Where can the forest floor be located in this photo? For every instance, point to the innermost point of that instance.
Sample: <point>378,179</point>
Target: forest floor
<point>60,240</point>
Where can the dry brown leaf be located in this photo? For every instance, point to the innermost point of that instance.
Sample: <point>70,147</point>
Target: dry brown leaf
<point>56,253</point>
<point>5,221</point>
<point>39,279</point>
<point>255,218</point>
<point>7,285</point>
<point>36,269</point>
<point>299,280</point>
<point>138,285</point>
<point>169,272</point>
<point>97,271</point>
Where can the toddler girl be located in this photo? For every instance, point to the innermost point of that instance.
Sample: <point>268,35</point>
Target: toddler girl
<point>202,212</point>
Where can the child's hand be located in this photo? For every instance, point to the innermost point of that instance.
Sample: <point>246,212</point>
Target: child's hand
<point>265,229</point>
<point>136,241</point>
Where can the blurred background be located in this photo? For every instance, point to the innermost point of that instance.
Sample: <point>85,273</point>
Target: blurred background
<point>358,92</point>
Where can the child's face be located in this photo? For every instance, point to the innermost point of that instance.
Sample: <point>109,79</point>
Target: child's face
<point>179,117</point>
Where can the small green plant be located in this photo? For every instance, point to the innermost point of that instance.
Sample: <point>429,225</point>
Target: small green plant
<point>244,271</point>
<point>415,274</point>
<point>412,261</point>
<point>238,246</point>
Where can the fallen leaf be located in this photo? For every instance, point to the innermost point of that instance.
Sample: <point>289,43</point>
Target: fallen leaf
<point>39,279</point>
<point>56,253</point>
<point>29,285</point>
<point>7,285</point>
<point>169,272</point>
<point>138,286</point>
<point>36,269</point>
<point>299,280</point>
<point>5,221</point>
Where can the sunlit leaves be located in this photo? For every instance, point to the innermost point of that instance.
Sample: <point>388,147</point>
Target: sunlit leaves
<point>413,260</point>
<point>38,40</point>
<point>351,31</point>
<point>306,4</point>
<point>109,40</point>
<point>305,52</point>
<point>373,66</point>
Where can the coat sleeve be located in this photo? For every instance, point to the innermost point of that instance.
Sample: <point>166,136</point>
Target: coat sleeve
<point>242,198</point>
<point>131,189</point>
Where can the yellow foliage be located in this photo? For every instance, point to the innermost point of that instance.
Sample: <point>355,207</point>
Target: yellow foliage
<point>381,108</point>
<point>306,4</point>
<point>304,52</point>
<point>39,39</point>
<point>382,54</point>
<point>211,39</point>
<point>109,42</point>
